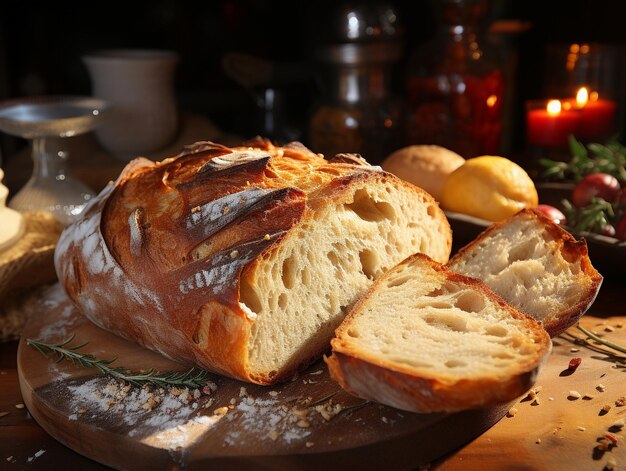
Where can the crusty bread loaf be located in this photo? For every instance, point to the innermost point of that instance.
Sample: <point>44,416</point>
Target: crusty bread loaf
<point>534,265</point>
<point>424,166</point>
<point>425,339</point>
<point>242,260</point>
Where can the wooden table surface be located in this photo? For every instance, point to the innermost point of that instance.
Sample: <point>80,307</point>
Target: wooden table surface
<point>25,445</point>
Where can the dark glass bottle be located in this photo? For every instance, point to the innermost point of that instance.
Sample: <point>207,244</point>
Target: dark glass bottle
<point>455,85</point>
<point>357,112</point>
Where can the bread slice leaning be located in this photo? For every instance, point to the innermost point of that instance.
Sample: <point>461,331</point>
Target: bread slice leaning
<point>534,265</point>
<point>425,339</point>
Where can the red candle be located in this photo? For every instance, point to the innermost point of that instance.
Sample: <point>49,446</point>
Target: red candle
<point>550,126</point>
<point>597,120</point>
<point>597,116</point>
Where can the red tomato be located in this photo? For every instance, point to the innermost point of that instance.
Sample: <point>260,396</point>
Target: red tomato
<point>602,185</point>
<point>553,213</point>
<point>608,230</point>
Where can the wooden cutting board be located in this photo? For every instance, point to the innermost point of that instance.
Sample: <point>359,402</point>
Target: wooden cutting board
<point>307,423</point>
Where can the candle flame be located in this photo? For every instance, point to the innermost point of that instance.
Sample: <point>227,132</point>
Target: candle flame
<point>554,107</point>
<point>582,97</point>
<point>492,100</point>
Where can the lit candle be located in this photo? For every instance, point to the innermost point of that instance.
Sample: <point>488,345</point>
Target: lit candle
<point>597,116</point>
<point>550,126</point>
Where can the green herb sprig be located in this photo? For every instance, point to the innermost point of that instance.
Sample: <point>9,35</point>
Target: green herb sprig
<point>594,158</point>
<point>193,378</point>
<point>591,218</point>
<point>600,340</point>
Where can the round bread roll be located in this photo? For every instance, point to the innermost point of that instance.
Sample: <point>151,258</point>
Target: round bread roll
<point>424,166</point>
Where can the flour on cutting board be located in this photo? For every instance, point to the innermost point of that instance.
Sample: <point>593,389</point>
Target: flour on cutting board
<point>268,419</point>
<point>171,418</point>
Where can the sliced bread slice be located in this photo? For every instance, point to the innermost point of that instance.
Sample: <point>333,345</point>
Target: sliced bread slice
<point>534,265</point>
<point>425,339</point>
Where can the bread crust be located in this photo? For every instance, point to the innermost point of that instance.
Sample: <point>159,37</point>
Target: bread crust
<point>571,250</point>
<point>159,255</point>
<point>365,374</point>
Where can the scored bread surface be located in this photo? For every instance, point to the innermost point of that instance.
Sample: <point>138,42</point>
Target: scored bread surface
<point>534,265</point>
<point>242,260</point>
<point>425,339</point>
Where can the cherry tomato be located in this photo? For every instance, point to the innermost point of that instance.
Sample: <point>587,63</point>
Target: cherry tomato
<point>608,230</point>
<point>553,213</point>
<point>601,185</point>
<point>620,232</point>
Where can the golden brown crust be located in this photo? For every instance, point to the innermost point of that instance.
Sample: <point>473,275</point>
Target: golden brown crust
<point>158,256</point>
<point>423,394</point>
<point>365,374</point>
<point>572,250</point>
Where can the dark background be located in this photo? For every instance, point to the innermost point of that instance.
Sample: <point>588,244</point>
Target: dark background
<point>41,44</point>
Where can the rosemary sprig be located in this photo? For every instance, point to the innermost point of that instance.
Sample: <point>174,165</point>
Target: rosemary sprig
<point>192,378</point>
<point>606,343</point>
<point>594,158</point>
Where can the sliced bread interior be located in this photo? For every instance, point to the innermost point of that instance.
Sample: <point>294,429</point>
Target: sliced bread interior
<point>534,265</point>
<point>425,339</point>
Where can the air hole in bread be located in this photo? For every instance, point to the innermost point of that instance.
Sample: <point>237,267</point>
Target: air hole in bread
<point>353,333</point>
<point>450,287</point>
<point>249,296</point>
<point>446,321</point>
<point>455,363</point>
<point>432,210</point>
<point>522,252</point>
<point>435,293</point>
<point>289,273</point>
<point>334,259</point>
<point>496,331</point>
<point>305,276</point>
<point>369,263</point>
<point>470,302</point>
<point>572,256</point>
<point>399,281</point>
<point>503,356</point>
<point>282,301</point>
<point>365,207</point>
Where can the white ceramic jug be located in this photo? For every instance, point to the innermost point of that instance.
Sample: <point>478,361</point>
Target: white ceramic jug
<point>139,86</point>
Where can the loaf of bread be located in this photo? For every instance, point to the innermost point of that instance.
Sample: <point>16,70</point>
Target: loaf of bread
<point>425,166</point>
<point>242,260</point>
<point>425,339</point>
<point>536,266</point>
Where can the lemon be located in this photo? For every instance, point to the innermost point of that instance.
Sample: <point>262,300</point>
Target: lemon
<point>489,187</point>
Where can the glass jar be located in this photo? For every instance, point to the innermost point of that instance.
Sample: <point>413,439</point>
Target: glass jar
<point>358,115</point>
<point>357,112</point>
<point>455,86</point>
